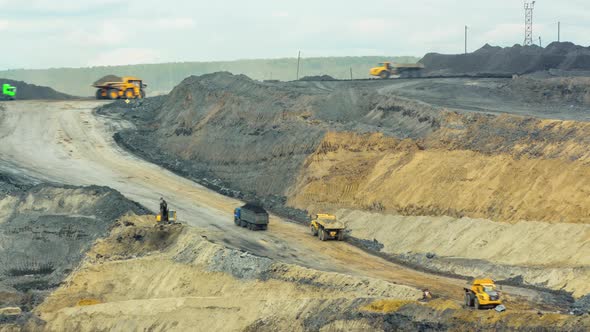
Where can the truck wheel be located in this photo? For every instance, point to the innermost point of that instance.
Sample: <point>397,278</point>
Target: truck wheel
<point>99,94</point>
<point>384,74</point>
<point>314,231</point>
<point>112,94</point>
<point>129,94</point>
<point>142,94</point>
<point>237,222</point>
<point>340,236</point>
<point>467,300</point>
<point>243,223</point>
<point>322,235</point>
<point>265,227</point>
<point>477,306</point>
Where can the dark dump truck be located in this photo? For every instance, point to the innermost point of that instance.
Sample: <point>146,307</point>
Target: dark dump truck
<point>252,216</point>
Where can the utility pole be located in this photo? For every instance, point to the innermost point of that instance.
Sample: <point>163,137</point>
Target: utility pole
<point>298,60</point>
<point>558,32</point>
<point>466,39</point>
<point>528,22</point>
<point>540,44</point>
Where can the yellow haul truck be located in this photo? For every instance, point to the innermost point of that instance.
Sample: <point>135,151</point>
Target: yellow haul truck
<point>482,293</point>
<point>325,226</point>
<point>128,88</point>
<point>405,70</point>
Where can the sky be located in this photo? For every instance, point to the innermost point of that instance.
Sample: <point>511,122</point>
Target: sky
<point>82,33</point>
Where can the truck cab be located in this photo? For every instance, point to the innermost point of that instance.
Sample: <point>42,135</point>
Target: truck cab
<point>8,91</point>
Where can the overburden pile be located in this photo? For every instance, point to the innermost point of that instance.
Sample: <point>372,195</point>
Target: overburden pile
<point>25,91</point>
<point>517,59</point>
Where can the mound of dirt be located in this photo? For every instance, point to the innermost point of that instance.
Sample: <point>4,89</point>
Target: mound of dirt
<point>509,60</point>
<point>108,78</point>
<point>45,231</point>
<point>25,91</point>
<point>192,282</point>
<point>220,128</point>
<point>318,78</point>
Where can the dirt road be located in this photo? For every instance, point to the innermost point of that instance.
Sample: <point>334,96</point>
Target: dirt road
<point>65,142</point>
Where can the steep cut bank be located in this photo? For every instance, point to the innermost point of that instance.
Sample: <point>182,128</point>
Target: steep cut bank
<point>45,231</point>
<point>27,91</point>
<point>232,132</point>
<point>149,278</point>
<point>327,146</point>
<point>510,60</point>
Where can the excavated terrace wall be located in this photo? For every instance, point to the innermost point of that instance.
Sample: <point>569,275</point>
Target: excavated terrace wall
<point>45,231</point>
<point>321,146</point>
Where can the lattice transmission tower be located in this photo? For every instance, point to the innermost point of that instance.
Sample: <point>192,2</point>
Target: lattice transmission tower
<point>528,22</point>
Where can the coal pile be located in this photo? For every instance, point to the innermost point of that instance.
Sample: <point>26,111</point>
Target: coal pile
<point>25,91</point>
<point>518,59</point>
<point>108,78</point>
<point>318,78</point>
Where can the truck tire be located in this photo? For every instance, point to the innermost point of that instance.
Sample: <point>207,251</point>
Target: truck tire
<point>243,223</point>
<point>467,300</point>
<point>112,94</point>
<point>237,222</point>
<point>99,94</point>
<point>313,230</point>
<point>264,227</point>
<point>340,236</point>
<point>322,235</point>
<point>129,94</point>
<point>142,94</point>
<point>477,305</point>
<point>384,74</point>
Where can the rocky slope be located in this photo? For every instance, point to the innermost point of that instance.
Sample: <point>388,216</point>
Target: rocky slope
<point>45,231</point>
<point>171,278</point>
<point>325,146</point>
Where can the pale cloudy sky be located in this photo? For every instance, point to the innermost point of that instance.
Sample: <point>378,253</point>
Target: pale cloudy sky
<point>79,33</point>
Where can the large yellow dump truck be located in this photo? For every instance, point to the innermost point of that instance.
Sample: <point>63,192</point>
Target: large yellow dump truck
<point>404,70</point>
<point>128,88</point>
<point>326,226</point>
<point>482,293</point>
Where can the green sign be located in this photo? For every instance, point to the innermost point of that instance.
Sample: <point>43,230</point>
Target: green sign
<point>8,90</point>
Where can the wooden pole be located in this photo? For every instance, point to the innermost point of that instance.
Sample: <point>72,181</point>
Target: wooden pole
<point>298,60</point>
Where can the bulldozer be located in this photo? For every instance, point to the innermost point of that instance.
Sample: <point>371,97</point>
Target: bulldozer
<point>385,70</point>
<point>326,226</point>
<point>128,88</point>
<point>8,92</point>
<point>482,293</point>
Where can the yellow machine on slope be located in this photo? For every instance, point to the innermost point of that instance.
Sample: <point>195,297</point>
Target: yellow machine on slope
<point>128,88</point>
<point>387,69</point>
<point>482,293</point>
<point>325,226</point>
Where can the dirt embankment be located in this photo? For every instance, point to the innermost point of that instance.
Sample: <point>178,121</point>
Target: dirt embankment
<point>45,231</point>
<point>509,60</point>
<point>171,278</point>
<point>323,146</point>
<point>246,138</point>
<point>25,91</point>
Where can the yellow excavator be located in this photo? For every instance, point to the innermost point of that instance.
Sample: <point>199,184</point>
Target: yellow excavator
<point>386,70</point>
